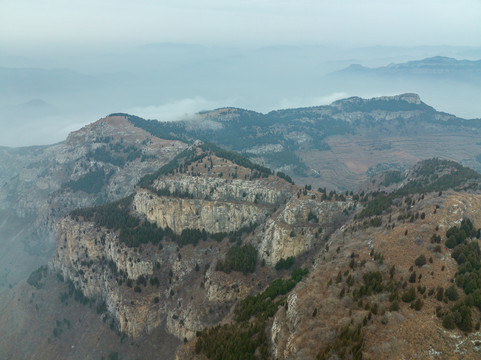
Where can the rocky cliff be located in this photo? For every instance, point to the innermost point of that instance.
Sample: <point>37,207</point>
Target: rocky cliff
<point>392,282</point>
<point>322,275</point>
<point>98,163</point>
<point>296,229</point>
<point>178,287</point>
<point>212,216</point>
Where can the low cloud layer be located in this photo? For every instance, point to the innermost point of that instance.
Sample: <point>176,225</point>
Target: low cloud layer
<point>287,103</point>
<point>176,109</point>
<point>41,131</point>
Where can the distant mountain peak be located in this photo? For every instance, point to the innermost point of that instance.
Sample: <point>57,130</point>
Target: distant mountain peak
<point>439,58</point>
<point>427,66</point>
<point>410,98</point>
<point>356,67</point>
<point>226,111</point>
<point>35,104</point>
<point>114,126</point>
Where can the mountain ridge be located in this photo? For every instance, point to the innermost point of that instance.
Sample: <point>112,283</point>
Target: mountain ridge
<point>351,267</point>
<point>100,162</point>
<point>310,143</point>
<point>425,67</point>
<point>305,145</point>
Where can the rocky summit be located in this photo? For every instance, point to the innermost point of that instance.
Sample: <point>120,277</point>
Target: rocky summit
<point>98,163</point>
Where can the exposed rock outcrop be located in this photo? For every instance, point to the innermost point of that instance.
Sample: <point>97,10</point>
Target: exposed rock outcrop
<point>178,288</point>
<point>256,191</point>
<point>212,216</point>
<point>290,232</point>
<point>99,163</point>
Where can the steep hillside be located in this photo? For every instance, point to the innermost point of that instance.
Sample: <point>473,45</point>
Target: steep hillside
<point>426,176</point>
<point>295,273</point>
<point>337,146</point>
<point>382,292</point>
<point>211,256</point>
<point>38,323</point>
<point>38,185</point>
<point>398,284</point>
<point>204,232</point>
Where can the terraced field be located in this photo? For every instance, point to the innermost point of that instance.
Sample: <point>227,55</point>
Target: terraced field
<point>352,158</point>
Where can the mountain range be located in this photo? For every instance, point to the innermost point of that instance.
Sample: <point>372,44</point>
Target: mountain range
<point>215,257</point>
<point>449,68</point>
<point>135,238</point>
<point>335,146</point>
<point>165,81</point>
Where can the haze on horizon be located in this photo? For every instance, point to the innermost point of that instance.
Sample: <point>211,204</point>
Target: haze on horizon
<point>66,64</point>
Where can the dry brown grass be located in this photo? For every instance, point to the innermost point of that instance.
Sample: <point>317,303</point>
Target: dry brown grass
<point>407,333</point>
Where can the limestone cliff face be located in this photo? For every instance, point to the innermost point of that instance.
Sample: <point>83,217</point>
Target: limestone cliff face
<point>290,233</point>
<point>188,287</point>
<point>178,288</point>
<point>93,259</point>
<point>257,191</point>
<point>285,324</point>
<point>147,287</point>
<point>212,216</point>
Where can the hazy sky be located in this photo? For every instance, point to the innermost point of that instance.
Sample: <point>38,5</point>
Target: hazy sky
<point>65,63</point>
<point>256,22</point>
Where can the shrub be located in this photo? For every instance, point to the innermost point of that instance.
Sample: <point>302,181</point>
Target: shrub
<point>418,304</point>
<point>155,281</point>
<point>372,283</point>
<point>238,258</point>
<point>285,263</point>
<point>264,305</point>
<point>312,217</point>
<point>452,293</point>
<point>36,277</point>
<point>462,317</point>
<point>451,242</point>
<point>448,321</point>
<point>409,295</point>
<point>412,277</point>
<point>420,260</point>
<point>380,203</point>
<point>392,270</point>
<point>394,306</point>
